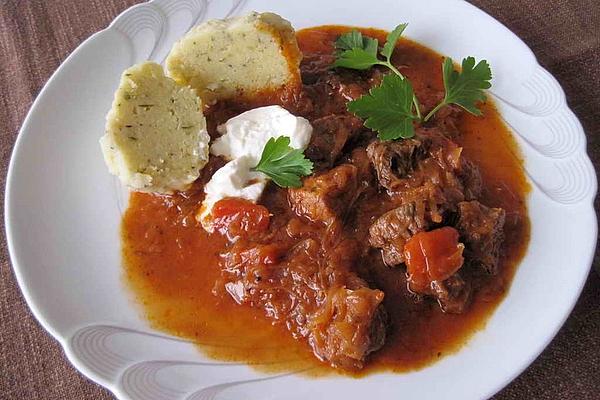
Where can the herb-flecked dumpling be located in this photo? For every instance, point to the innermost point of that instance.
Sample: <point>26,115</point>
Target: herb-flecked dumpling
<point>156,138</point>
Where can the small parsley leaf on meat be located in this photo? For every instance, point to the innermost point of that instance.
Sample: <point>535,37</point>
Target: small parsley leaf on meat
<point>355,40</point>
<point>388,108</point>
<point>356,58</point>
<point>355,51</point>
<point>283,164</point>
<point>464,88</point>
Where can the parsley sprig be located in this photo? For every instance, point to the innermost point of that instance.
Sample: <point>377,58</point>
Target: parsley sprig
<point>464,88</point>
<point>391,108</point>
<point>356,51</point>
<point>283,164</point>
<point>388,108</point>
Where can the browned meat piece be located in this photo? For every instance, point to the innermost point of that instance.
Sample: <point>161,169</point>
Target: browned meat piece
<point>428,172</point>
<point>332,90</point>
<point>432,189</point>
<point>331,94</point>
<point>345,85</point>
<point>376,77</point>
<point>427,184</point>
<point>360,160</point>
<point>391,231</point>
<point>319,94</point>
<point>298,229</point>
<point>428,97</point>
<point>448,156</point>
<point>470,177</point>
<point>447,120</point>
<point>313,66</point>
<point>325,198</point>
<point>394,160</point>
<point>446,153</point>
<point>453,294</point>
<point>330,135</point>
<point>316,297</point>
<point>480,229</point>
<point>348,326</point>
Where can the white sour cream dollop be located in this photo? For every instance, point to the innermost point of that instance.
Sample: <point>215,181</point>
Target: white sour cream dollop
<point>242,142</point>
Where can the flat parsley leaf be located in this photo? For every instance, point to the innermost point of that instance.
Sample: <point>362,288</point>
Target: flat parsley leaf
<point>356,51</point>
<point>355,40</point>
<point>392,39</point>
<point>283,164</point>
<point>356,59</point>
<point>388,108</point>
<point>465,88</point>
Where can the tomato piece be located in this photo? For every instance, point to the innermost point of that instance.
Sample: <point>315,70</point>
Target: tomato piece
<point>237,217</point>
<point>432,256</point>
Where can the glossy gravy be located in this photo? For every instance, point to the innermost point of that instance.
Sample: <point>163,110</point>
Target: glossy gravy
<point>171,263</point>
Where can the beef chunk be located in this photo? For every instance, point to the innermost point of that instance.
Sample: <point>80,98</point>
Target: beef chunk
<point>314,66</point>
<point>448,155</point>
<point>349,325</point>
<point>331,92</point>
<point>480,229</point>
<point>447,119</point>
<point>452,294</point>
<point>345,85</point>
<point>470,177</point>
<point>394,160</point>
<point>428,172</point>
<point>432,189</point>
<point>297,229</point>
<point>316,297</point>
<point>360,160</point>
<point>325,198</point>
<point>330,135</point>
<point>391,231</point>
<point>318,100</point>
<point>428,177</point>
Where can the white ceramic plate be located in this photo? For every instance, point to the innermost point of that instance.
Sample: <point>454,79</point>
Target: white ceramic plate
<point>63,212</point>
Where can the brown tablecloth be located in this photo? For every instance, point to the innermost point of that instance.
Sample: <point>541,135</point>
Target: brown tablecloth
<point>36,36</point>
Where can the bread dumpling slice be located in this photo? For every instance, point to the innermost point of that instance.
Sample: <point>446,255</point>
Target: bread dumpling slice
<point>237,57</point>
<point>156,138</point>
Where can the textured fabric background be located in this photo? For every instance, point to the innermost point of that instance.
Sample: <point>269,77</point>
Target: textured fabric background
<point>36,36</point>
